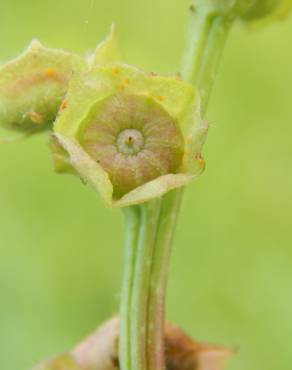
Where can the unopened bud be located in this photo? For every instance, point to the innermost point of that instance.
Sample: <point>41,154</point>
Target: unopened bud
<point>33,85</point>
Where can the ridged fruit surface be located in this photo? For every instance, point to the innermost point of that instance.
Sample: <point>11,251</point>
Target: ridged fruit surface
<point>133,138</point>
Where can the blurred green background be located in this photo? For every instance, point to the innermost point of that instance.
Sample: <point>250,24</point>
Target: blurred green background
<point>61,249</point>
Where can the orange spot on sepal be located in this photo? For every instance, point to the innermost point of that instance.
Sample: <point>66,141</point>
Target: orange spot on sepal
<point>161,98</point>
<point>126,81</point>
<point>201,161</point>
<point>189,140</point>
<point>64,104</point>
<point>117,70</point>
<point>124,84</point>
<point>188,156</point>
<point>51,72</point>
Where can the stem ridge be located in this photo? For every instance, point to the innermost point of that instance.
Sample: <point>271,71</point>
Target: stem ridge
<point>151,226</point>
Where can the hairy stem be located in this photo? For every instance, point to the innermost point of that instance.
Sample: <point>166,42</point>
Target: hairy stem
<point>142,224</point>
<point>158,280</point>
<point>207,36</point>
<point>150,227</point>
<point>133,220</point>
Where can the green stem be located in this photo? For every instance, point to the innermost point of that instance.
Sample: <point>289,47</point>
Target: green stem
<point>133,220</point>
<point>142,224</point>
<point>207,36</point>
<point>150,227</point>
<point>158,282</point>
<point>142,277</point>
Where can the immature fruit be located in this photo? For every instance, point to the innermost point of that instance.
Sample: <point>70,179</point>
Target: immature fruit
<point>131,134</point>
<point>133,138</point>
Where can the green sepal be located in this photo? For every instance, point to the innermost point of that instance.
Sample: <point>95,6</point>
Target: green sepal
<point>107,51</point>
<point>33,86</point>
<point>177,97</point>
<point>85,167</point>
<point>61,159</point>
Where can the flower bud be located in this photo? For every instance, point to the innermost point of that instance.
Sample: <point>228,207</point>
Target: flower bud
<point>32,87</point>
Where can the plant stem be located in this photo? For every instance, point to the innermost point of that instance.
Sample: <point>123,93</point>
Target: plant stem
<point>158,282</point>
<point>151,226</point>
<point>142,224</point>
<point>133,219</point>
<point>207,36</point>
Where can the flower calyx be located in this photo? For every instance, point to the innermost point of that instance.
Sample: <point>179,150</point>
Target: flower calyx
<point>33,86</point>
<point>132,135</point>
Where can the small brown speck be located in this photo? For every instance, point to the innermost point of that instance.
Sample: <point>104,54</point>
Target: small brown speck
<point>201,161</point>
<point>64,104</point>
<point>83,180</point>
<point>50,72</point>
<point>115,362</point>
